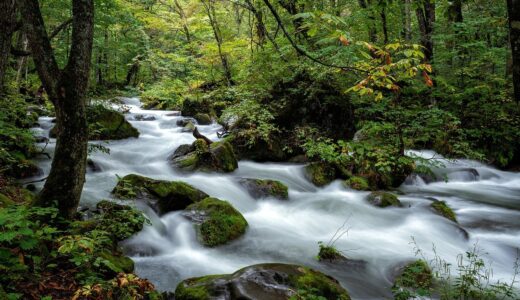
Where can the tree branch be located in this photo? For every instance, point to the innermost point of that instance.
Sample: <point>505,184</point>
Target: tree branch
<point>40,45</point>
<point>300,50</point>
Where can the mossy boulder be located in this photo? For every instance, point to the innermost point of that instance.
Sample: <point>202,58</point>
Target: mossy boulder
<point>189,127</point>
<point>358,183</point>
<point>217,222</point>
<point>444,210</point>
<point>320,173</point>
<point>414,276</point>
<point>164,196</point>
<point>216,157</point>
<point>384,199</point>
<point>259,188</point>
<point>264,281</point>
<point>203,119</point>
<point>118,263</point>
<point>105,124</point>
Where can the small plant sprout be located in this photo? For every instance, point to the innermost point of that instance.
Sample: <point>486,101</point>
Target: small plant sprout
<point>328,251</point>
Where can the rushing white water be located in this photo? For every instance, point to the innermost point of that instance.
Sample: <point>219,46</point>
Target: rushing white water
<point>486,201</point>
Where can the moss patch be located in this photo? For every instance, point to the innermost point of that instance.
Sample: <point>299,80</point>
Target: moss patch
<point>217,157</point>
<point>203,119</point>
<point>329,253</point>
<point>259,188</point>
<point>358,183</point>
<point>444,210</point>
<point>313,283</point>
<point>170,195</point>
<point>384,199</point>
<point>220,222</point>
<point>320,173</point>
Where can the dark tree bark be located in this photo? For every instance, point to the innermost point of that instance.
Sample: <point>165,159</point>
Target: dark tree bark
<point>67,90</point>
<point>384,21</point>
<point>425,12</point>
<point>513,9</point>
<point>261,29</point>
<point>8,26</point>
<point>455,11</point>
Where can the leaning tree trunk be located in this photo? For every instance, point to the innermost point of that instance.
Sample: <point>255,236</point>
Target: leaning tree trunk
<point>7,28</point>
<point>67,90</point>
<point>513,8</point>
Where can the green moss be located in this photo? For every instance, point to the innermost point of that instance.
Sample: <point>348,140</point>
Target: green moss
<point>170,195</point>
<point>358,183</point>
<point>384,199</point>
<point>259,188</point>
<point>313,283</point>
<point>118,263</point>
<point>415,276</point>
<point>224,156</point>
<point>222,222</point>
<point>196,288</point>
<point>320,173</point>
<point>444,210</point>
<point>203,119</point>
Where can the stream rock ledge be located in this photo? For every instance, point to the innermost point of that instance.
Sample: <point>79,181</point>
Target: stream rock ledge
<point>199,156</point>
<point>164,196</point>
<point>264,281</point>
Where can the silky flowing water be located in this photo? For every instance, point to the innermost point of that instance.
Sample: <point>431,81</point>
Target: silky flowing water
<point>486,201</point>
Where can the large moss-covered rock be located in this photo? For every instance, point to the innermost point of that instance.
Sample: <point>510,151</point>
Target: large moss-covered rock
<point>259,188</point>
<point>265,281</point>
<point>320,173</point>
<point>414,276</point>
<point>163,195</point>
<point>384,199</point>
<point>105,124</point>
<point>217,221</point>
<point>203,119</point>
<point>216,157</point>
<point>444,210</point>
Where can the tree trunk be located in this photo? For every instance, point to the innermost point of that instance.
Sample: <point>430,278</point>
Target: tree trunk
<point>455,11</point>
<point>425,12</point>
<point>407,20</point>
<point>67,90</point>
<point>210,10</point>
<point>372,32</point>
<point>8,25</point>
<point>384,23</point>
<point>513,9</point>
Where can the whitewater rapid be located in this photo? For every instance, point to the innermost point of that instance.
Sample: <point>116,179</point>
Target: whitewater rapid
<point>486,201</point>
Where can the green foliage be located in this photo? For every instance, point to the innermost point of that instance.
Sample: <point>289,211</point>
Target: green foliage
<point>253,120</point>
<point>328,252</point>
<point>416,279</point>
<point>470,278</point>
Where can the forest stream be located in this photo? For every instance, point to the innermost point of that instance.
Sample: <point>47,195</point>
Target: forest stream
<point>378,241</point>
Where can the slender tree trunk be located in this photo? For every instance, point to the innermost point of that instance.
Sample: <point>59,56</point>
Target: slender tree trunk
<point>209,5</point>
<point>23,44</point>
<point>513,9</point>
<point>407,20</point>
<point>425,12</point>
<point>7,28</point>
<point>384,23</point>
<point>372,31</point>
<point>67,90</point>
<point>182,14</point>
